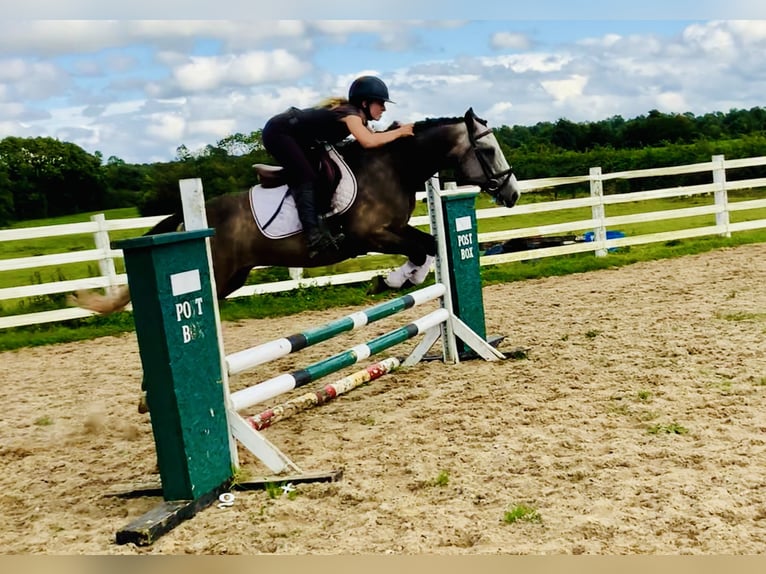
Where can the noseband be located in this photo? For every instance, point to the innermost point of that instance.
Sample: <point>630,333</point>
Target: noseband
<point>492,181</point>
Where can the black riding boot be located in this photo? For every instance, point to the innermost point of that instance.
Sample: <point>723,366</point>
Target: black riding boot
<point>318,236</point>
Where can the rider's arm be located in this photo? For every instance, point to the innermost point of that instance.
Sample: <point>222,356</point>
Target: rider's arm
<point>366,138</point>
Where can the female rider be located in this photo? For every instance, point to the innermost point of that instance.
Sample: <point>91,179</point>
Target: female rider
<point>290,135</point>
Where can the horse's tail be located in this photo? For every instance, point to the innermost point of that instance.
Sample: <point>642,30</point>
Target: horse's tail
<point>117,298</point>
<point>170,223</point>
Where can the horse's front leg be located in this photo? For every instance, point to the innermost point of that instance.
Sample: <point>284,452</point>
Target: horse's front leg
<point>415,274</point>
<point>419,247</point>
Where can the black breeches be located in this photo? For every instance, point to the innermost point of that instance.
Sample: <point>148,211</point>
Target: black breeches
<point>279,141</point>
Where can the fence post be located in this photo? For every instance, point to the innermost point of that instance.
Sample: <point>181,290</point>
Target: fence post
<point>597,210</point>
<point>721,198</point>
<point>441,266</point>
<point>106,263</point>
<point>195,219</point>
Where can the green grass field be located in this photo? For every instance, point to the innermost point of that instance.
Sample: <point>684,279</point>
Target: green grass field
<point>321,298</point>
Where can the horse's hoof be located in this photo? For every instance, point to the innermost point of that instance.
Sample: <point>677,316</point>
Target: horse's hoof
<point>143,406</point>
<point>377,285</point>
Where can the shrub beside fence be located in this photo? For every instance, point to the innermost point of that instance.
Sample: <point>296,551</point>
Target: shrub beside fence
<point>598,224</point>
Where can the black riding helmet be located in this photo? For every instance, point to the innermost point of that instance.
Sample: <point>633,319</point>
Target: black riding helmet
<point>367,88</point>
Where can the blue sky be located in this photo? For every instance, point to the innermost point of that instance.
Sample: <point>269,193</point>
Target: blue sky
<point>138,81</point>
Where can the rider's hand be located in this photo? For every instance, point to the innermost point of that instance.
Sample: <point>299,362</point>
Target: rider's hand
<point>406,130</point>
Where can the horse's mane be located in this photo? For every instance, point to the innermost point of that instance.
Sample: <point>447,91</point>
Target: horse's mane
<point>352,146</point>
<point>428,123</point>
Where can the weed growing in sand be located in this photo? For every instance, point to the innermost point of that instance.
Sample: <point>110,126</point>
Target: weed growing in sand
<point>521,513</point>
<point>672,428</point>
<point>741,316</point>
<point>644,395</point>
<point>239,476</point>
<point>592,334</point>
<point>44,421</point>
<point>442,479</point>
<point>279,489</point>
<point>762,382</point>
<point>624,407</point>
<point>723,385</point>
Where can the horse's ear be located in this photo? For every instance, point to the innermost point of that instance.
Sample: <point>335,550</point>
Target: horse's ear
<point>470,114</point>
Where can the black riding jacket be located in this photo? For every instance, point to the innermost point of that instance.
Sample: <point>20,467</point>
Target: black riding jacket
<point>322,124</point>
<point>291,135</point>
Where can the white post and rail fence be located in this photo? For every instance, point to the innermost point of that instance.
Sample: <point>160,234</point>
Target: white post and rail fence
<point>597,226</point>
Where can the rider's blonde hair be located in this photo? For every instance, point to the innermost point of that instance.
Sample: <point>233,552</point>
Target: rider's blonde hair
<point>332,102</point>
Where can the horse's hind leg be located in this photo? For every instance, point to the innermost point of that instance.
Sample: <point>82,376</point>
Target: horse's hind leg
<point>234,282</point>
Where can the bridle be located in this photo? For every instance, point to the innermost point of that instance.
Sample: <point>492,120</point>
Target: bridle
<point>493,181</point>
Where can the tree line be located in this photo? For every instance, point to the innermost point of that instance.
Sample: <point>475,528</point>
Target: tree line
<point>44,177</point>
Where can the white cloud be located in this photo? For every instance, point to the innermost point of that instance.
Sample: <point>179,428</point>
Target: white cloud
<point>11,110</point>
<point>216,129</point>
<point>258,107</point>
<point>672,102</point>
<point>30,80</point>
<point>11,128</point>
<point>728,39</point>
<point>123,108</point>
<point>537,62</point>
<point>445,81</point>
<point>565,89</point>
<point>606,41</point>
<point>206,73</point>
<point>749,31</point>
<point>346,27</point>
<point>167,127</point>
<point>499,113</point>
<point>509,41</point>
<point>47,37</point>
<point>17,69</point>
<point>51,37</point>
<point>710,38</point>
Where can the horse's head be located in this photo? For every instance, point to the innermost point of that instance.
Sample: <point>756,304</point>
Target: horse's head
<point>482,162</point>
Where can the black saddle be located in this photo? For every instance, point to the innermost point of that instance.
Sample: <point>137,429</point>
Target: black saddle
<point>329,175</point>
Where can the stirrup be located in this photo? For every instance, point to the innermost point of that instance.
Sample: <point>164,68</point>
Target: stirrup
<point>327,235</point>
<point>323,240</point>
